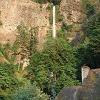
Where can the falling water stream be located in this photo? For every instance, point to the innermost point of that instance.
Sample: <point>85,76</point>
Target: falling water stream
<point>54,21</point>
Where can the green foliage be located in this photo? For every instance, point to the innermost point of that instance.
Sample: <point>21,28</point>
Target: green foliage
<point>89,51</point>
<point>55,65</point>
<point>59,17</point>
<point>11,76</point>
<point>8,81</point>
<point>55,2</point>
<point>40,1</point>
<point>30,92</point>
<point>7,52</point>
<point>92,30</point>
<point>66,27</point>
<point>64,31</point>
<point>13,87</point>
<point>49,7</point>
<point>89,8</point>
<point>29,46</point>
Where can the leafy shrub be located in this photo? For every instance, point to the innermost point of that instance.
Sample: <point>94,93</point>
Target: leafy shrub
<point>55,65</point>
<point>29,46</point>
<point>30,92</point>
<point>8,81</point>
<point>7,76</point>
<point>92,31</point>
<point>40,1</point>
<point>55,2</point>
<point>89,8</point>
<point>59,17</point>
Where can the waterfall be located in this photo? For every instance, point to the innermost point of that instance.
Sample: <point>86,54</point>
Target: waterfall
<point>54,21</point>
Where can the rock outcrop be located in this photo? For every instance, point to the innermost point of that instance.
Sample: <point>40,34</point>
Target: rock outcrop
<point>15,12</point>
<point>72,11</point>
<point>89,90</point>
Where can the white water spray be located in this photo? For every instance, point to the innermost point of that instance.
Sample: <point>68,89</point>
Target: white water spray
<point>54,21</point>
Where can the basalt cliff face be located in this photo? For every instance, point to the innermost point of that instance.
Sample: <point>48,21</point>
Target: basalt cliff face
<point>72,11</point>
<point>15,12</point>
<point>89,90</point>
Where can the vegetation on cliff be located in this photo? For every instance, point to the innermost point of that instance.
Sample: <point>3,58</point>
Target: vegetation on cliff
<point>30,74</point>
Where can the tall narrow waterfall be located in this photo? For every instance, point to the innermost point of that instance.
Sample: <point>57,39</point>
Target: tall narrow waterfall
<point>54,21</point>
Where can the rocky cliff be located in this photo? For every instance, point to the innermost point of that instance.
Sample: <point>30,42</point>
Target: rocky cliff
<point>15,12</point>
<point>72,11</point>
<point>89,90</point>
